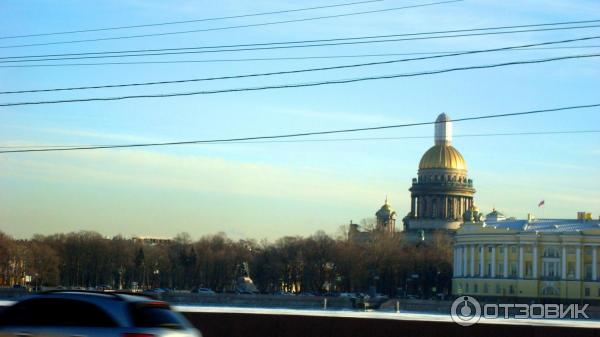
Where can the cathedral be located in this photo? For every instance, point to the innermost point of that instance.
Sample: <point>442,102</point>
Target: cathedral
<point>442,191</point>
<point>439,196</point>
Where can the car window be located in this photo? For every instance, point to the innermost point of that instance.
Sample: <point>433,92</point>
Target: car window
<point>56,312</point>
<point>157,317</point>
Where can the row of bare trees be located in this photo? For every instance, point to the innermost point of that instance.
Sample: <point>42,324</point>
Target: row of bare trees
<point>318,263</point>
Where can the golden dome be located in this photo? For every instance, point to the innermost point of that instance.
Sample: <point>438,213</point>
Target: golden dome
<point>443,157</point>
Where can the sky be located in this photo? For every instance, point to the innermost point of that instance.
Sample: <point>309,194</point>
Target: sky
<point>270,190</point>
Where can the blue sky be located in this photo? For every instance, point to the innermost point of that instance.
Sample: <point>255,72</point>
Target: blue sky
<point>275,189</point>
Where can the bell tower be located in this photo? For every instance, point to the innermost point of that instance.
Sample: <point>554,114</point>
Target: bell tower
<point>386,218</point>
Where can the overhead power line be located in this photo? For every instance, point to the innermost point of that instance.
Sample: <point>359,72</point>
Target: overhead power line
<point>190,21</point>
<point>300,85</point>
<point>291,44</point>
<point>326,140</point>
<point>258,59</point>
<point>298,70</point>
<point>233,27</point>
<point>303,134</point>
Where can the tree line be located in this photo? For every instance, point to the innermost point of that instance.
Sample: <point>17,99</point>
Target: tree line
<point>319,263</point>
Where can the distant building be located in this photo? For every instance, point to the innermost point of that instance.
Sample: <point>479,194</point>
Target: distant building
<point>386,224</point>
<point>545,259</point>
<point>386,218</point>
<point>442,192</point>
<point>152,241</point>
<point>494,216</point>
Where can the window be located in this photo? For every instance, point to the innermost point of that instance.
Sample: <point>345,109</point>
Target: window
<point>551,252</point>
<point>528,269</point>
<point>497,288</point>
<point>550,269</point>
<point>549,290</point>
<point>513,249</point>
<point>489,249</point>
<point>588,271</point>
<point>587,292</point>
<point>570,269</point>
<point>500,270</point>
<point>475,288</point>
<point>56,312</point>
<point>485,288</point>
<point>513,269</point>
<point>511,289</point>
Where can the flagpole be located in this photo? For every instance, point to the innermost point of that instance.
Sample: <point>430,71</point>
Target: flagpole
<point>542,204</point>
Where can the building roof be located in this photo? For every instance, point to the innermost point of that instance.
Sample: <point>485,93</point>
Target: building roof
<point>495,213</point>
<point>443,157</point>
<point>546,225</point>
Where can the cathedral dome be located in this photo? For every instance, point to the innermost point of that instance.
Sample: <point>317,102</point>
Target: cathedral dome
<point>385,211</point>
<point>443,157</point>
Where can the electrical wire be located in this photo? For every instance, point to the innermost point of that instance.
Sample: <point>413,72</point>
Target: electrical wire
<point>270,45</point>
<point>299,70</point>
<point>300,85</point>
<point>190,21</point>
<point>304,134</point>
<point>261,24</point>
<point>314,57</point>
<point>326,140</point>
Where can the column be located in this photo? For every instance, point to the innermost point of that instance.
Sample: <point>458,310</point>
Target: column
<point>481,261</point>
<point>459,257</point>
<point>472,260</point>
<point>505,248</point>
<point>446,208</point>
<point>493,258</point>
<point>594,268</point>
<point>412,206</point>
<point>465,264</point>
<point>454,264</point>
<point>578,263</point>
<point>535,260</point>
<point>564,263</point>
<point>520,261</point>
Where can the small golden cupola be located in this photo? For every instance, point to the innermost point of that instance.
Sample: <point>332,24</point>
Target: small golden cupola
<point>386,218</point>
